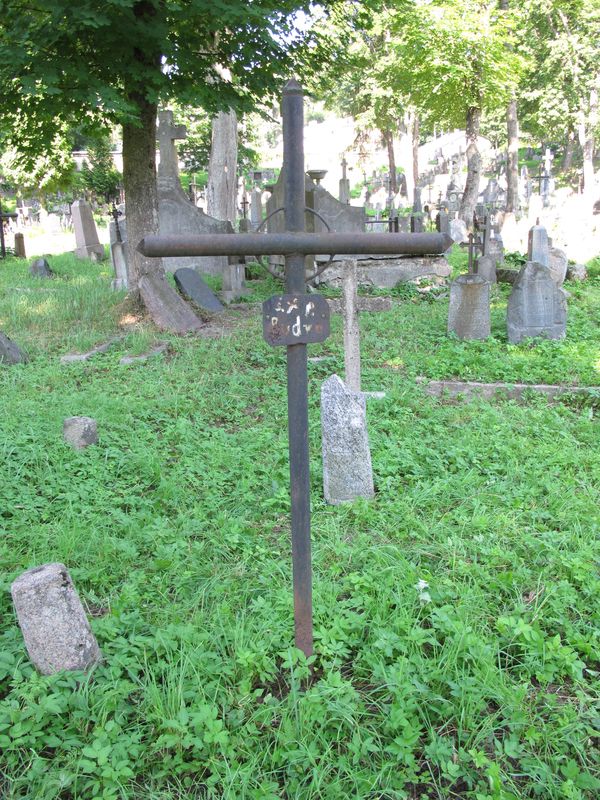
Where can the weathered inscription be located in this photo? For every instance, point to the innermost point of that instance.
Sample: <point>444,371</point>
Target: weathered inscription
<point>295,319</point>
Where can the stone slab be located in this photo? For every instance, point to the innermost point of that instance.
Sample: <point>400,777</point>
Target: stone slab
<point>387,273</point>
<point>512,391</point>
<point>371,305</point>
<point>155,351</point>
<point>347,472</point>
<point>71,358</point>
<point>55,628</point>
<point>193,288</point>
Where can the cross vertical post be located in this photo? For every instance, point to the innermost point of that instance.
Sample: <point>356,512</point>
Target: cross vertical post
<point>297,371</point>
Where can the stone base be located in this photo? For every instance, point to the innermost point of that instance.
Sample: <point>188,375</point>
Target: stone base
<point>230,295</point>
<point>94,252</point>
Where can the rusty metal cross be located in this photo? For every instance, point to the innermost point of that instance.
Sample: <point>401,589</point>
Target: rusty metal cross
<point>296,319</point>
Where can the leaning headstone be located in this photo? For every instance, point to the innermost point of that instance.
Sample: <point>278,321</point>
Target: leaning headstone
<point>80,432</point>
<point>9,352</point>
<point>193,288</point>
<point>486,268</point>
<point>557,264</point>
<point>347,472</point>
<point>40,269</point>
<point>458,230</point>
<point>469,309</point>
<point>86,236</point>
<point>536,306</point>
<point>54,625</point>
<point>538,249</point>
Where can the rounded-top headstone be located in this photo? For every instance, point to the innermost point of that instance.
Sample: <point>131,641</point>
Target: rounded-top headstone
<point>40,269</point>
<point>9,352</point>
<point>55,628</point>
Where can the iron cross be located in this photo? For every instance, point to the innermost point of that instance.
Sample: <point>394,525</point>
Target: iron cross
<point>296,319</point>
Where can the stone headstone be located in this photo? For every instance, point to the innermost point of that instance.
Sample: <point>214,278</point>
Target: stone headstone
<point>557,264</point>
<point>442,221</point>
<point>347,472</point>
<point>495,249</point>
<point>387,273</point>
<point>577,272</point>
<point>54,625</point>
<point>486,268</point>
<point>536,306</point>
<point>458,230</point>
<point>256,208</point>
<point>86,236</point>
<point>9,352</point>
<point>117,231</point>
<point>20,245</point>
<point>176,214</point>
<point>80,432</point>
<point>469,309</point>
<point>40,269</point>
<point>538,249</point>
<point>193,288</point>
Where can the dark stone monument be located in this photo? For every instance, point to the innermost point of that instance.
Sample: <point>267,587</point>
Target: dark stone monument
<point>193,288</point>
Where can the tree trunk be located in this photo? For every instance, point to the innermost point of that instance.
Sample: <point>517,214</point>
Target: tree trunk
<point>405,153</point>
<point>569,151</point>
<point>415,148</point>
<point>146,276</point>
<point>471,192</point>
<point>388,138</point>
<point>221,189</point>
<point>512,163</point>
<point>588,121</point>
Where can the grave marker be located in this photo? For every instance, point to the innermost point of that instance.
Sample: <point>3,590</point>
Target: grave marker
<point>295,244</point>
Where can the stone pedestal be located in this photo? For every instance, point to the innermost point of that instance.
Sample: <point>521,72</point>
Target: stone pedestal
<point>86,236</point>
<point>54,625</point>
<point>20,245</point>
<point>536,306</point>
<point>347,472</point>
<point>234,281</point>
<point>469,310</point>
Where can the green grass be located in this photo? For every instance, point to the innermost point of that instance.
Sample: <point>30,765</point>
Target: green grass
<point>456,615</point>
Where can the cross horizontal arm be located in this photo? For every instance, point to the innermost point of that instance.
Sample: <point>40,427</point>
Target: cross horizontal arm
<point>242,244</point>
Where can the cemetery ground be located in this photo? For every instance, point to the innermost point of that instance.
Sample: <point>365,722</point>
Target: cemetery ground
<point>456,614</point>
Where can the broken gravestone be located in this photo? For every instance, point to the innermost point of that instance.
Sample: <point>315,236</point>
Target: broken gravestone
<point>80,432</point>
<point>86,235</point>
<point>536,306</point>
<point>9,352</point>
<point>347,472</point>
<point>469,309</point>
<point>193,288</point>
<point>55,628</point>
<point>40,269</point>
